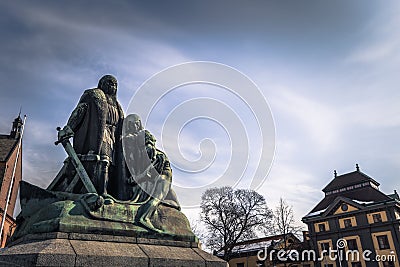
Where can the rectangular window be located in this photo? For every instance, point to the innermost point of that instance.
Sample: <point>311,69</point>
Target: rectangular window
<point>328,265</point>
<point>356,264</point>
<point>240,264</point>
<point>352,244</point>
<point>377,217</point>
<point>347,223</point>
<point>383,242</point>
<point>397,214</point>
<point>325,247</point>
<point>321,227</point>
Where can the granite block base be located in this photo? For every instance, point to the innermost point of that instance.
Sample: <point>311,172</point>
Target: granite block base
<point>74,249</point>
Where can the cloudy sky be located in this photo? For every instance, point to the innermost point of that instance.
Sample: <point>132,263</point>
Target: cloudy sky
<point>329,71</point>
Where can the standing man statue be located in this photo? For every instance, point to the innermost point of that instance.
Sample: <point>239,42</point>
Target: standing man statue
<point>96,124</point>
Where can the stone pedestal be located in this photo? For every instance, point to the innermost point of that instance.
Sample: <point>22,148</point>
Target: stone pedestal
<point>75,249</point>
<point>63,229</point>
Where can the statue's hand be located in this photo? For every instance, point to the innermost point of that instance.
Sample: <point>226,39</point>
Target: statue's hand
<point>64,133</point>
<point>144,176</point>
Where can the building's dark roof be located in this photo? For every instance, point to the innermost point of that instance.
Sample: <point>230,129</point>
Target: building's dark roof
<point>364,194</point>
<point>348,179</point>
<point>260,243</point>
<point>258,240</point>
<point>395,195</point>
<point>7,145</point>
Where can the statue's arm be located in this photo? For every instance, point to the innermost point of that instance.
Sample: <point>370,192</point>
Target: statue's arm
<point>77,116</point>
<point>73,122</point>
<point>166,172</point>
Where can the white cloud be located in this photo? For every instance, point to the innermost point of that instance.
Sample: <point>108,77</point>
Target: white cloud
<point>377,113</point>
<point>314,119</point>
<point>374,53</point>
<point>297,186</point>
<point>40,132</point>
<point>380,42</point>
<point>38,174</point>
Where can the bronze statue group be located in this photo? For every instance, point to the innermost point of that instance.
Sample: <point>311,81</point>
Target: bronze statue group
<point>118,155</point>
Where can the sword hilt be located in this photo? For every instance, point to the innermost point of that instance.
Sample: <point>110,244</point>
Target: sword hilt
<point>63,134</point>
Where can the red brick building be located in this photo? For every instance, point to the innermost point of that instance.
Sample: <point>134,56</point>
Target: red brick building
<point>10,166</point>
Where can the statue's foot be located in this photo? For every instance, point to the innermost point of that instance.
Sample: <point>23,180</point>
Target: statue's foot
<point>93,201</point>
<point>148,225</point>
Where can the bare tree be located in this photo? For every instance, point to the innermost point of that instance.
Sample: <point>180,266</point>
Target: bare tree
<point>284,222</point>
<point>231,216</point>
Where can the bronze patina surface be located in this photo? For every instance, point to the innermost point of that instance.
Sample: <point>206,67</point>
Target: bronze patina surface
<point>103,188</point>
<point>46,211</point>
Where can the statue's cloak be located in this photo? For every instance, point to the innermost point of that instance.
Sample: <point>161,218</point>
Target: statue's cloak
<point>90,133</point>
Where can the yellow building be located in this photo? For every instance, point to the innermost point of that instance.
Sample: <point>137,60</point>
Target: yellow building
<point>355,225</point>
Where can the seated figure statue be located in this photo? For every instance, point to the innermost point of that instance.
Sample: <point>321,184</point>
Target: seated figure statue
<point>150,173</point>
